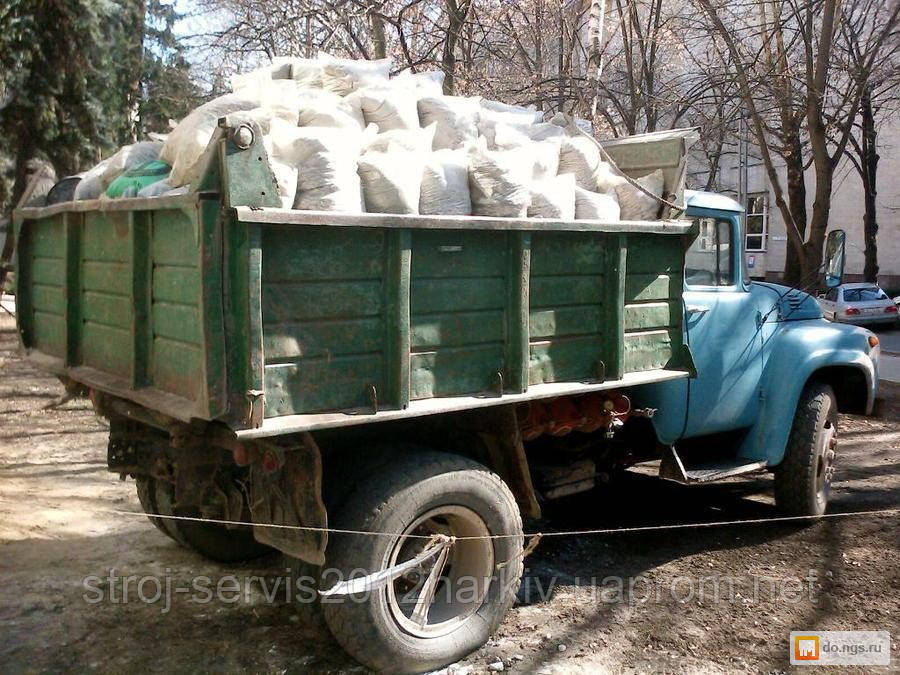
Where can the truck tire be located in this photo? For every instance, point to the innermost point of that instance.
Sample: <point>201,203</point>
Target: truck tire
<point>803,479</point>
<point>211,540</point>
<point>424,493</point>
<point>147,497</point>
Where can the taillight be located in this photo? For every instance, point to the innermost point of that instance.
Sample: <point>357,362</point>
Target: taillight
<point>851,311</point>
<point>890,310</point>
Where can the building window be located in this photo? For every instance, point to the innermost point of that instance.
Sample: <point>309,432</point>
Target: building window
<point>757,221</point>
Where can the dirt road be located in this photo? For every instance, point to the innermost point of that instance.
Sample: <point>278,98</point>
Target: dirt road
<point>719,599</point>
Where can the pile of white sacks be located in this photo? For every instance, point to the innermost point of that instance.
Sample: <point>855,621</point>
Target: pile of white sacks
<point>342,135</point>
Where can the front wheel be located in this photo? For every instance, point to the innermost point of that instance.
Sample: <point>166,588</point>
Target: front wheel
<point>430,616</point>
<point>803,479</point>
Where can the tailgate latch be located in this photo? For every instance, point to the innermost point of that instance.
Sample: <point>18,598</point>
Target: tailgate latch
<point>256,407</point>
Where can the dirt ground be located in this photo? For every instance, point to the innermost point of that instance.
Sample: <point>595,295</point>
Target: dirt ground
<point>61,538</point>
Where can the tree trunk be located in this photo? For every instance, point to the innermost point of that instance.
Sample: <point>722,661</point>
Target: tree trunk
<point>456,12</point>
<point>137,11</point>
<point>596,22</point>
<point>376,23</point>
<point>869,163</point>
<point>815,244</point>
<point>24,152</point>
<point>796,194</point>
<point>560,58</point>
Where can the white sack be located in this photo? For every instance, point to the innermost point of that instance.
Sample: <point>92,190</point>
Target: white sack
<point>456,118</point>
<point>445,184</point>
<point>91,184</point>
<point>510,114</point>
<point>285,174</point>
<point>502,135</point>
<point>426,83</point>
<point>391,181</point>
<point>391,170</point>
<point>403,140</point>
<point>544,154</point>
<point>510,134</point>
<point>581,156</point>
<point>282,95</point>
<point>546,158</point>
<point>559,119</point>
<point>129,157</point>
<point>635,204</point>
<point>388,107</point>
<point>308,72</point>
<point>326,162</point>
<point>319,108</point>
<point>265,117</point>
<point>553,197</point>
<point>187,141</point>
<point>256,79</point>
<point>499,181</point>
<point>544,131</point>
<point>344,76</point>
<point>595,206</point>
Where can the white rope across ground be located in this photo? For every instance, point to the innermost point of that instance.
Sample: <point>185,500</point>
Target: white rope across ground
<point>440,544</point>
<point>567,533</point>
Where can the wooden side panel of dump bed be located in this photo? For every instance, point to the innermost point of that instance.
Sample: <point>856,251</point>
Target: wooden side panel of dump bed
<point>323,317</point>
<point>368,317</point>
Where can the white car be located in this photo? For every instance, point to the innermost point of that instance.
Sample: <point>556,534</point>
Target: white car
<point>860,304</point>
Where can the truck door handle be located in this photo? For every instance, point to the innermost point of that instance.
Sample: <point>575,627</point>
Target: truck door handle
<point>698,310</point>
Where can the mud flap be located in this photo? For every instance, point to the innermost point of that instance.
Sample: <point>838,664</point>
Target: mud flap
<point>291,495</point>
<point>499,431</point>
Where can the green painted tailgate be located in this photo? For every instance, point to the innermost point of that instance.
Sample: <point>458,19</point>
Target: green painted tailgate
<point>119,299</point>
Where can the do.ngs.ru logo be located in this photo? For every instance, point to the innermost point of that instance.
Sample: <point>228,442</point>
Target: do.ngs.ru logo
<point>841,648</point>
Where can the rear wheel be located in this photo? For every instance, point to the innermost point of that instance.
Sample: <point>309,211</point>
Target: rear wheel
<point>434,614</point>
<point>803,479</point>
<point>211,540</point>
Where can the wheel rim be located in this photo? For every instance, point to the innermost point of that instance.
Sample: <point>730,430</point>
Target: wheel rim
<point>434,599</point>
<point>825,461</point>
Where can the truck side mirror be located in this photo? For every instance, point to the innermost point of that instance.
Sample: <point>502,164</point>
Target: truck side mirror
<point>834,258</point>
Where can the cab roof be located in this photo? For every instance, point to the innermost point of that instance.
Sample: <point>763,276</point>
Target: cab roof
<point>701,199</point>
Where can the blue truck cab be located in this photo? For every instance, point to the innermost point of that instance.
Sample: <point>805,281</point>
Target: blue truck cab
<point>770,371</point>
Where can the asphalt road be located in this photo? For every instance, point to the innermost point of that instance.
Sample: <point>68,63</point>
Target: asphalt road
<point>890,339</point>
<point>890,354</point>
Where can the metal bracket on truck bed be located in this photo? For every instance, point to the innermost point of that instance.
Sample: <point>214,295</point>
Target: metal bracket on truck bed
<point>247,178</point>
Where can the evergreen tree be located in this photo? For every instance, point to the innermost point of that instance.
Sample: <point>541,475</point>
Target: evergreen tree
<point>79,78</point>
<point>55,83</point>
<point>168,91</point>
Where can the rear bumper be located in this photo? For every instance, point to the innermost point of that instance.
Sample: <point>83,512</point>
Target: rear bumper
<point>868,320</point>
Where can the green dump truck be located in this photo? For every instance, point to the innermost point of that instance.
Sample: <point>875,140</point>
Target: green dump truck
<point>338,374</point>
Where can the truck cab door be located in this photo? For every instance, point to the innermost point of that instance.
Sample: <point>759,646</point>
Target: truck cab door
<point>723,331</point>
